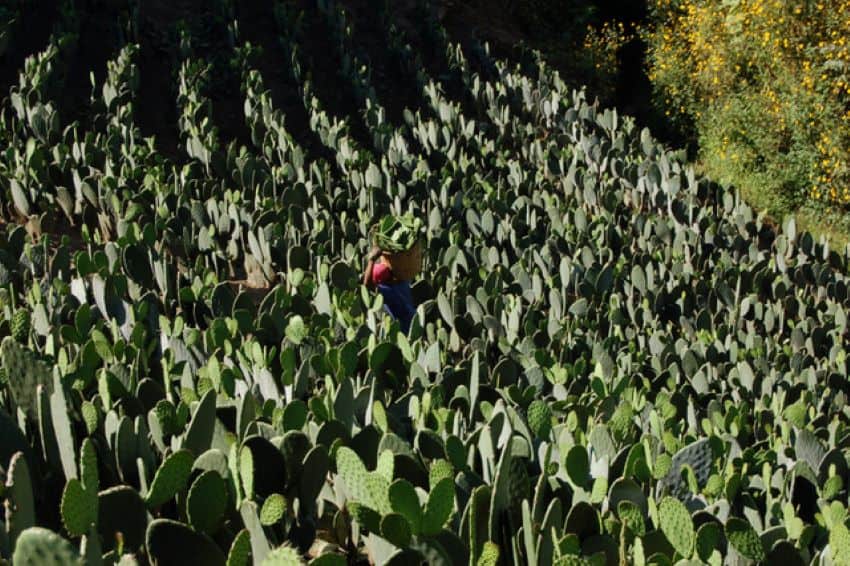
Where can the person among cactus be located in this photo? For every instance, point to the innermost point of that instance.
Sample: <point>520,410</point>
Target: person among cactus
<point>393,261</point>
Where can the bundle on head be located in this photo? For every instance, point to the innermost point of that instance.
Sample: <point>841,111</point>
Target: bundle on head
<point>398,238</point>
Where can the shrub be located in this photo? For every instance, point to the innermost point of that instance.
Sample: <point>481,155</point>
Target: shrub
<point>764,83</point>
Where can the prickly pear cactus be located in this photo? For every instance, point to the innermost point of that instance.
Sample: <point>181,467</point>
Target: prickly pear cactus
<point>240,550</point>
<point>20,506</point>
<point>489,555</point>
<point>368,488</point>
<point>540,418</point>
<point>79,507</point>
<point>172,542</point>
<point>283,556</point>
<point>439,507</point>
<point>25,371</point>
<point>273,510</point>
<point>743,537</point>
<point>171,477</point>
<point>20,326</point>
<point>206,502</point>
<point>677,526</point>
<point>698,456</point>
<point>37,546</point>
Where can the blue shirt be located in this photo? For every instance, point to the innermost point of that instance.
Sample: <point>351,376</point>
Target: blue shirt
<point>398,302</point>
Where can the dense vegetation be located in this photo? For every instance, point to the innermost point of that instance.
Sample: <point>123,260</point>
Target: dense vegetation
<point>614,359</point>
<point>765,85</point>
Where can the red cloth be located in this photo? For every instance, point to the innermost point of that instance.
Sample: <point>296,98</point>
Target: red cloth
<point>381,273</point>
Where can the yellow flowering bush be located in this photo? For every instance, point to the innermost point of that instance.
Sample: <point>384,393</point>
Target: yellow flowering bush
<point>766,85</point>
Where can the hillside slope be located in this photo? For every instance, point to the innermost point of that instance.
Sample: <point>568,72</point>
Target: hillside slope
<point>614,360</point>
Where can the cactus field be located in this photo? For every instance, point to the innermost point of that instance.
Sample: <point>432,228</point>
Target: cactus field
<point>614,359</point>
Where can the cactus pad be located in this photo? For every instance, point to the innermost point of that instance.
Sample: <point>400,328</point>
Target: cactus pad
<point>698,456</point>
<point>283,556</point>
<point>438,471</point>
<point>438,507</point>
<point>743,537</point>
<point>20,507</point>
<point>79,508</point>
<point>405,501</point>
<point>171,542</point>
<point>41,547</point>
<point>368,488</point>
<point>632,517</point>
<point>539,416</point>
<point>240,550</point>
<point>709,537</point>
<point>677,526</point>
<point>170,478</point>
<point>20,326</point>
<point>396,529</point>
<point>273,510</point>
<point>206,502</point>
<point>26,371</point>
<point>489,555</point>
<point>122,512</point>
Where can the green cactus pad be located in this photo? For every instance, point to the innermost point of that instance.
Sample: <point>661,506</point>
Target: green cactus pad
<point>88,466</point>
<point>386,465</point>
<point>260,547</point>
<point>246,471</point>
<point>171,477</point>
<point>13,440</point>
<point>709,538</point>
<point>698,456</point>
<point>439,507</point>
<point>314,475</point>
<point>268,472</point>
<point>41,547</point>
<point>91,417</point>
<point>440,470</point>
<point>206,502</point>
<point>122,512</point>
<point>240,550</point>
<point>578,465</point>
<point>677,526</point>
<point>26,371</point>
<point>743,537</point>
<point>20,506</point>
<point>20,326</point>
<point>273,510</point>
<point>79,508</point>
<point>368,519</point>
<point>199,433</point>
<point>489,555</point>
<point>539,416</point>
<point>632,517</point>
<point>171,542</point>
<point>478,510</point>
<point>396,529</point>
<point>368,488</point>
<point>405,501</point>
<point>283,556</point>
<point>329,560</point>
